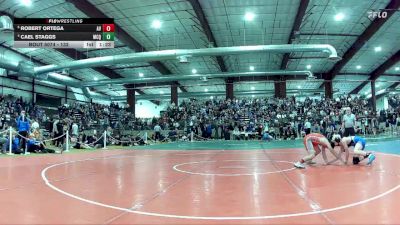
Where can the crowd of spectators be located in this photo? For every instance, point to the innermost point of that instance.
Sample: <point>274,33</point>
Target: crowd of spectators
<point>15,112</point>
<point>246,118</point>
<point>10,109</point>
<point>280,118</point>
<point>102,116</point>
<point>394,103</point>
<point>33,124</point>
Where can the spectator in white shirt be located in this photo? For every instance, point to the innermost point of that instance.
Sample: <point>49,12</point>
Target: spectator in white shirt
<point>348,123</point>
<point>55,130</point>
<point>35,125</point>
<point>307,127</point>
<point>157,132</point>
<point>75,130</point>
<point>236,133</point>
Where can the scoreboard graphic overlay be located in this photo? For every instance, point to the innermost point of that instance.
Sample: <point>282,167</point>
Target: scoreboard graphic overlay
<point>64,33</point>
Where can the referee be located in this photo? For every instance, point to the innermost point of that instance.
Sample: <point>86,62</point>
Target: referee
<point>348,123</point>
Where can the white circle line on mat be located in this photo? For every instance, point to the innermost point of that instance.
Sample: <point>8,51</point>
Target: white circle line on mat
<point>239,153</point>
<point>175,167</point>
<point>47,182</point>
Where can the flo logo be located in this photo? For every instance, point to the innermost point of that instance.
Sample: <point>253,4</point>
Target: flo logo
<point>380,13</point>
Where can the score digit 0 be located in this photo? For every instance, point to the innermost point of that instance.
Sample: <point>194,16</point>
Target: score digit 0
<point>108,36</point>
<point>108,27</point>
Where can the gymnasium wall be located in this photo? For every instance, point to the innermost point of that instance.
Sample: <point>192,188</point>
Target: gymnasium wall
<point>22,87</point>
<point>147,109</point>
<point>382,103</point>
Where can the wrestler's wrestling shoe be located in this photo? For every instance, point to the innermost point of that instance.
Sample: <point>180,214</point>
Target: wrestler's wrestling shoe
<point>299,165</point>
<point>371,158</point>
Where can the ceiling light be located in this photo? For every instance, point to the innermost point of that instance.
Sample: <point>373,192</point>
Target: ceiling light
<point>194,71</point>
<point>141,74</point>
<point>156,24</point>
<point>253,96</point>
<point>206,90</point>
<point>161,92</point>
<point>378,49</point>
<point>397,68</point>
<point>358,67</point>
<point>298,87</point>
<point>339,17</point>
<point>211,97</point>
<point>26,2</point>
<point>252,88</point>
<point>251,68</point>
<point>308,67</point>
<point>95,78</point>
<point>249,16</point>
